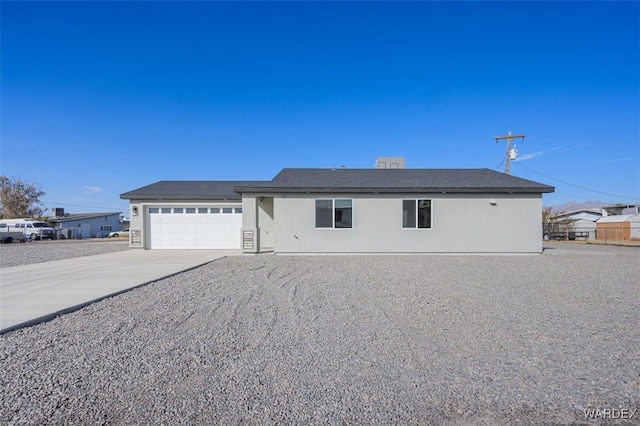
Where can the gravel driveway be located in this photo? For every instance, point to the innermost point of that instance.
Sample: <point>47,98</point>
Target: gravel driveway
<point>477,340</point>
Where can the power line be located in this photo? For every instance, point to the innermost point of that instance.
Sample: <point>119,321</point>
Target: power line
<point>84,207</point>
<point>577,186</point>
<point>509,137</point>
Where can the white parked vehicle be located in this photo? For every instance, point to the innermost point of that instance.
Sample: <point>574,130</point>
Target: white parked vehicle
<point>30,228</point>
<point>120,233</point>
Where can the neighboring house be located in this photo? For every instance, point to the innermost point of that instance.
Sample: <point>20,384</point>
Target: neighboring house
<point>621,209</point>
<point>619,227</point>
<point>344,211</point>
<point>86,225</point>
<point>587,214</point>
<point>579,221</point>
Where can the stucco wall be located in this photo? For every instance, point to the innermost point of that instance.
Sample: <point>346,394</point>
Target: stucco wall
<point>257,216</point>
<point>136,224</point>
<point>461,223</point>
<point>266,223</point>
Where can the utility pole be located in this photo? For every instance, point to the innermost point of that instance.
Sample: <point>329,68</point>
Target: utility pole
<point>509,137</point>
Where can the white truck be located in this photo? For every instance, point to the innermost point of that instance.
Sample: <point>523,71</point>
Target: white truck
<point>30,228</point>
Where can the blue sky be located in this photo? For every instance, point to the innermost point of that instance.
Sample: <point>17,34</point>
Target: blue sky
<point>100,98</point>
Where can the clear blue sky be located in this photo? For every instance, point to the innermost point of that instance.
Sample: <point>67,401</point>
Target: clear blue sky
<point>100,98</point>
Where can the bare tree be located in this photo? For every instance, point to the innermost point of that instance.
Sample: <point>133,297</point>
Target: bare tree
<point>546,216</point>
<point>19,199</point>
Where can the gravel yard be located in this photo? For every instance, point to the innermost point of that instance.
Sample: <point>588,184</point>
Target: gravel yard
<point>462,340</point>
<point>16,254</point>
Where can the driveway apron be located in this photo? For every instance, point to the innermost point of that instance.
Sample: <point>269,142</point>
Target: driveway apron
<point>35,293</point>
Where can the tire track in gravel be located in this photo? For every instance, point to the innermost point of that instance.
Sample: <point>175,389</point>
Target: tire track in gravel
<point>409,342</point>
<point>254,311</point>
<point>277,293</point>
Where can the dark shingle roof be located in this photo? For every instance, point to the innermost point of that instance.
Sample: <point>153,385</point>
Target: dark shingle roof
<point>187,190</point>
<point>393,181</point>
<point>345,181</point>
<point>79,216</point>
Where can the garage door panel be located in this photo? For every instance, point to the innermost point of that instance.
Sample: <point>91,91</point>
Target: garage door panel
<point>182,228</point>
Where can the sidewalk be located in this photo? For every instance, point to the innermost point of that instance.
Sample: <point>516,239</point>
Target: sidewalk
<point>35,293</point>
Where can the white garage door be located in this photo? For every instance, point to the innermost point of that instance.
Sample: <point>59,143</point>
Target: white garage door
<point>194,227</point>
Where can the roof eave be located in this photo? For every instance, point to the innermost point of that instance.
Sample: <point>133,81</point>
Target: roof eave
<point>178,197</point>
<point>387,190</point>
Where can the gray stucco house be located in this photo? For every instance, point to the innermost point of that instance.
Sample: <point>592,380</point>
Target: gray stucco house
<point>344,211</point>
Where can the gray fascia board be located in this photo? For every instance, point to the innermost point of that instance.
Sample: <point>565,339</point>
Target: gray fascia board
<point>325,190</point>
<point>178,198</point>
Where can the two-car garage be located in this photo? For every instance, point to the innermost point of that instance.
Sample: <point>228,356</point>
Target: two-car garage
<point>194,227</point>
<point>182,214</point>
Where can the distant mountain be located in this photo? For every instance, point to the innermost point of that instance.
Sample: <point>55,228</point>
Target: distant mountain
<point>573,205</point>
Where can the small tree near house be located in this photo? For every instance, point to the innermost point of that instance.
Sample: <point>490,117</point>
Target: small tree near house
<point>19,198</point>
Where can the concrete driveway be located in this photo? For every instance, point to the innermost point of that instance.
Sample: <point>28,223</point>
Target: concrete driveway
<point>34,293</point>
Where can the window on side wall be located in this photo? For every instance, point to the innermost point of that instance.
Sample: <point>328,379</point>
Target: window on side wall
<point>334,213</point>
<point>416,214</point>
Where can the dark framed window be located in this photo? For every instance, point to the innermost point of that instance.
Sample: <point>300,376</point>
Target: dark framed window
<point>417,214</point>
<point>334,213</point>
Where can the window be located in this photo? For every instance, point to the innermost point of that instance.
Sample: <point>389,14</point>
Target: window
<point>238,210</point>
<point>227,210</point>
<point>416,214</point>
<point>153,210</point>
<point>203,210</point>
<point>178,210</point>
<point>324,212</point>
<point>165,209</point>
<point>215,209</point>
<point>190,210</point>
<point>335,213</point>
<point>105,228</point>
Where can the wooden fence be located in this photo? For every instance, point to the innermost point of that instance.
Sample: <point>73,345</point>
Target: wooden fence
<point>613,231</point>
